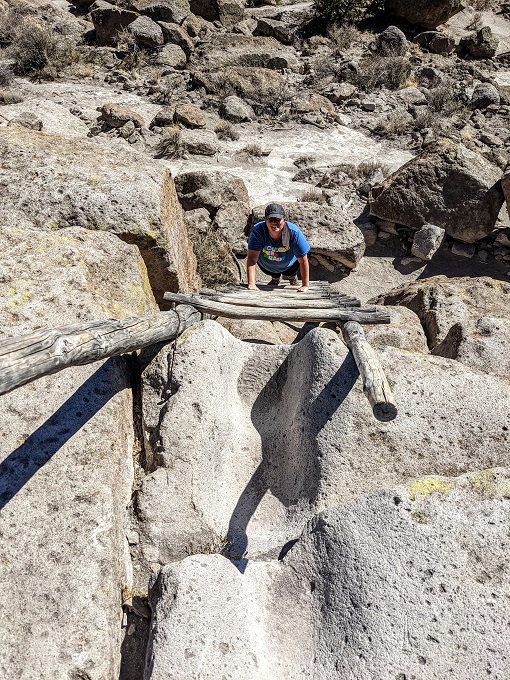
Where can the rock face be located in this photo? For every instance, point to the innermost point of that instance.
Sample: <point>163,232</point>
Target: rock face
<point>209,190</point>
<point>464,319</point>
<point>79,183</point>
<point>369,590</point>
<point>423,12</point>
<point>449,186</point>
<point>232,468</point>
<point>228,12</point>
<point>66,466</point>
<point>329,231</point>
<point>109,20</point>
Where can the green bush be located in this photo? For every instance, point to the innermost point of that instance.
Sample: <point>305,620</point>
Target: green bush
<point>345,11</point>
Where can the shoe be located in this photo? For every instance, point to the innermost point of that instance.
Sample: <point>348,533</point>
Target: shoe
<point>275,282</point>
<point>294,282</point>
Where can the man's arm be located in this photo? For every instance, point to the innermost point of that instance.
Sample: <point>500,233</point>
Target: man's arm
<point>251,269</point>
<point>304,269</point>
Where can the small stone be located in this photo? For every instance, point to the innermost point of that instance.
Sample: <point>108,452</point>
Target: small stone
<point>368,105</point>
<point>482,255</point>
<point>383,235</point>
<point>463,249</point>
<point>427,241</point>
<point>343,119</point>
<point>27,120</point>
<point>405,261</point>
<point>502,239</point>
<point>190,115</point>
<point>387,226</point>
<point>131,629</point>
<point>133,537</point>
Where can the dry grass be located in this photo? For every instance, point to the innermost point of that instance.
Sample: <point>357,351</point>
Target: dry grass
<point>445,99</point>
<point>134,57</point>
<point>395,123</point>
<point>213,257</point>
<point>37,50</point>
<point>226,130</point>
<point>390,71</point>
<point>312,195</point>
<point>6,75</point>
<point>250,152</point>
<point>343,37</point>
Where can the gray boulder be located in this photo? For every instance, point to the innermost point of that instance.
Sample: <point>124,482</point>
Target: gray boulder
<point>435,42</point>
<point>28,120</point>
<point>231,221</point>
<point>426,241</point>
<point>66,459</point>
<point>209,190</point>
<point>484,95</point>
<point>449,186</point>
<point>174,11</point>
<point>226,50</point>
<point>174,34</point>
<point>200,142</point>
<point>236,110</point>
<point>146,32</point>
<point>233,471</point>
<point>329,231</point>
<point>283,32</point>
<point>250,82</point>
<point>481,44</point>
<point>116,116</point>
<point>391,42</point>
<point>464,319</point>
<point>228,12</point>
<point>109,20</point>
<point>171,55</point>
<point>78,183</point>
<point>387,586</point>
<point>190,115</point>
<point>423,12</point>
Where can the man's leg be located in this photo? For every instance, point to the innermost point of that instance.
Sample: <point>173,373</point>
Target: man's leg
<point>291,274</point>
<point>275,278</point>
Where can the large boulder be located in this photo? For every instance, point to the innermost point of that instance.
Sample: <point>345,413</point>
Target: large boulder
<point>146,32</point>
<point>240,50</point>
<point>52,182</point>
<point>293,433</point>
<point>174,11</point>
<point>228,12</point>
<point>176,35</point>
<point>406,582</point>
<point>449,186</point>
<point>209,190</point>
<point>464,319</point>
<point>259,84</point>
<point>66,459</point>
<point>109,20</point>
<point>328,230</point>
<point>424,12</point>
<point>481,44</point>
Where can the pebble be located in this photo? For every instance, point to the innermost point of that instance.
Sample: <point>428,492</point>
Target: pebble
<point>131,629</point>
<point>463,249</point>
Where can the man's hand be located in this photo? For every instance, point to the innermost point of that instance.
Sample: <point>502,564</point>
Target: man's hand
<point>303,289</point>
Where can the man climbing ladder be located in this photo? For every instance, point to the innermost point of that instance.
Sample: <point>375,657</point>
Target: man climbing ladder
<point>283,247</point>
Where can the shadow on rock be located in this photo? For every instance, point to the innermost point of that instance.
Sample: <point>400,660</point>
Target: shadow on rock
<point>289,419</point>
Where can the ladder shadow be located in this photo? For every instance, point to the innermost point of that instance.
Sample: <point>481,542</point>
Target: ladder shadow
<point>286,469</point>
<point>25,461</point>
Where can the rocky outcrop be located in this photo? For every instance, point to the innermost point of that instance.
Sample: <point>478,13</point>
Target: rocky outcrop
<point>228,12</point>
<point>79,183</point>
<point>328,230</point>
<point>449,186</point>
<point>371,589</point>
<point>174,11</point>
<point>464,319</point>
<point>481,44</point>
<point>209,190</point>
<point>232,468</point>
<point>109,20</point>
<point>66,466</point>
<point>423,12</point>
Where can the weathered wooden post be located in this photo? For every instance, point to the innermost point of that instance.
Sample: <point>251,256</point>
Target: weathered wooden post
<point>47,351</point>
<point>375,384</point>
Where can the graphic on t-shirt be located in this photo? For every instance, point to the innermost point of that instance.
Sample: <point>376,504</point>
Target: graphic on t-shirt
<point>272,253</point>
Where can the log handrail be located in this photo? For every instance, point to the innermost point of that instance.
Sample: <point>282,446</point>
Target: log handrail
<point>287,313</point>
<point>375,384</point>
<point>47,351</point>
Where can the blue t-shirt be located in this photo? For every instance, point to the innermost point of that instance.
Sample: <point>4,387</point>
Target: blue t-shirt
<point>275,256</point>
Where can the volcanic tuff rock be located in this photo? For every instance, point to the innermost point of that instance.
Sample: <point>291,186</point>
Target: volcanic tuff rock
<point>424,12</point>
<point>209,190</point>
<point>66,467</point>
<point>232,467</point>
<point>465,319</point>
<point>402,582</point>
<point>79,183</point>
<point>449,186</point>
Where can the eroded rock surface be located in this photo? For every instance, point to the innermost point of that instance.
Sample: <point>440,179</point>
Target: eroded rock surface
<point>66,467</point>
<point>401,582</point>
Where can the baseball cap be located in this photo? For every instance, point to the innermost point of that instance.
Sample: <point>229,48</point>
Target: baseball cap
<point>274,210</point>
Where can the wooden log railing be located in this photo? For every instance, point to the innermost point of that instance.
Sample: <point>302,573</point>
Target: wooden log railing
<point>375,384</point>
<point>47,351</point>
<point>288,311</point>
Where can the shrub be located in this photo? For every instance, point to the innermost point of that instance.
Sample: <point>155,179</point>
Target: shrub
<point>367,168</point>
<point>134,57</point>
<point>344,36</point>
<point>6,75</point>
<point>312,195</point>
<point>390,71</point>
<point>226,130</point>
<point>39,51</point>
<point>213,257</point>
<point>251,151</point>
<point>395,123</point>
<point>345,11</point>
<point>445,99</point>
<point>305,160</point>
<point>10,21</point>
